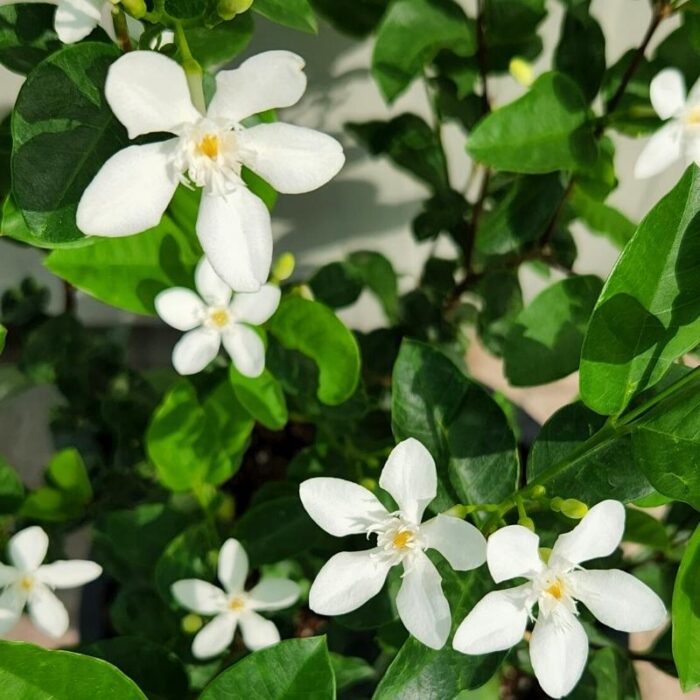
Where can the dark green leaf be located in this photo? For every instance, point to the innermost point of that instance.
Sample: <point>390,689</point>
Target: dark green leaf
<point>335,285</point>
<point>355,17</point>
<point>215,46</point>
<point>502,303</point>
<point>296,14</point>
<point>609,675</point>
<point>11,489</point>
<point>378,275</point>
<point>27,35</point>
<point>601,218</point>
<point>262,397</point>
<point>642,528</point>
<point>350,670</point>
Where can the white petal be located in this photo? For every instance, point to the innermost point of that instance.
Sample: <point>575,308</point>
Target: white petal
<point>597,535</point>
<point>270,80</point>
<point>130,192</point>
<point>215,637</point>
<point>273,594</point>
<point>69,574</point>
<point>27,549</point>
<point>339,506</point>
<point>256,307</point>
<point>12,602</point>
<point>409,475</point>
<point>558,652</point>
<point>667,93</point>
<point>75,19</point>
<point>662,149</point>
<point>233,566</point>
<point>236,234</point>
<point>148,92</point>
<point>211,287</point>
<point>180,308</point>
<point>619,600</point>
<point>199,596</point>
<point>497,622</point>
<point>258,632</point>
<point>8,574</point>
<point>347,581</point>
<point>246,349</point>
<point>458,541</point>
<point>47,612</point>
<point>292,159</point>
<point>422,605</point>
<point>513,551</point>
<point>195,350</point>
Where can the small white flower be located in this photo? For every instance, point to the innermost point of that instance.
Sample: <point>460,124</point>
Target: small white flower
<point>559,646</point>
<point>75,19</point>
<point>680,136</point>
<point>148,93</point>
<point>29,583</point>
<point>350,579</point>
<point>212,318</point>
<point>233,605</point>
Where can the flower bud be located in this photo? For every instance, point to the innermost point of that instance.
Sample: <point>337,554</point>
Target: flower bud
<point>529,523</point>
<point>283,268</point>
<point>191,623</point>
<point>136,8</point>
<point>369,483</point>
<point>555,504</point>
<point>545,554</point>
<point>522,71</point>
<point>228,9</point>
<point>574,509</point>
<point>538,491</point>
<point>226,509</point>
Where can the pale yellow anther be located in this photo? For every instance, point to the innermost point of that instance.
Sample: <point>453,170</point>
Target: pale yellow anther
<point>236,604</point>
<point>555,590</point>
<point>402,540</point>
<point>219,317</point>
<point>209,146</point>
<point>26,583</point>
<point>692,117</point>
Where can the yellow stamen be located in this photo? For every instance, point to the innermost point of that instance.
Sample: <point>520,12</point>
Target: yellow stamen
<point>402,540</point>
<point>219,317</point>
<point>209,146</point>
<point>555,590</point>
<point>236,604</point>
<point>692,117</point>
<point>26,583</point>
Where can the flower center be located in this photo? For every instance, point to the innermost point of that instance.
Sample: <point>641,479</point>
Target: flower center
<point>209,146</point>
<point>556,590</point>
<point>692,116</point>
<point>552,589</point>
<point>397,539</point>
<point>219,318</point>
<point>403,539</point>
<point>236,604</point>
<point>26,583</point>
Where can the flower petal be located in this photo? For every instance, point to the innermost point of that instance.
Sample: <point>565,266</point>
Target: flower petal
<point>422,605</point>
<point>597,535</point>
<point>148,92</point>
<point>258,632</point>
<point>347,581</point>
<point>199,596</point>
<point>232,566</point>
<point>8,575</point>
<point>270,80</point>
<point>558,652</point>
<point>292,159</point>
<point>339,506</point>
<point>130,192</point>
<point>75,19</point>
<point>236,234</point>
<point>47,612</point>
<point>513,551</point>
<point>180,308</point>
<point>256,307</point>
<point>458,541</point>
<point>246,349</point>
<point>215,637</point>
<point>12,602</point>
<point>27,549</point>
<point>210,286</point>
<point>497,622</point>
<point>273,594</point>
<point>195,350</point>
<point>69,574</point>
<point>662,149</point>
<point>667,93</point>
<point>409,475</point>
<point>619,600</point>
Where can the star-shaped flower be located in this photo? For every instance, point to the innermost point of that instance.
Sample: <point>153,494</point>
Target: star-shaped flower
<point>559,646</point>
<point>28,582</point>
<point>350,579</point>
<point>148,93</point>
<point>233,605</point>
<point>75,19</point>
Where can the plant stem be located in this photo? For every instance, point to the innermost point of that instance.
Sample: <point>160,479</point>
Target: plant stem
<point>481,57</point>
<point>121,29</point>
<point>192,69</point>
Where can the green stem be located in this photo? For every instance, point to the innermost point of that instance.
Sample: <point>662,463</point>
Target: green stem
<point>121,29</point>
<point>193,70</point>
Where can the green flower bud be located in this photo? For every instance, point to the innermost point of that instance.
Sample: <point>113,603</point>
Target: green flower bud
<point>228,9</point>
<point>191,624</point>
<point>283,268</point>
<point>136,8</point>
<point>538,491</point>
<point>369,483</point>
<point>226,509</point>
<point>522,71</point>
<point>574,509</point>
<point>545,553</point>
<point>529,523</point>
<point>555,504</point>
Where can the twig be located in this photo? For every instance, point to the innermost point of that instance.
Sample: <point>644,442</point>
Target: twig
<point>121,29</point>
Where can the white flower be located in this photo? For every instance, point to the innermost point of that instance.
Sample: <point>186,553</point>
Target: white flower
<point>680,136</point>
<point>148,93</point>
<point>234,605</point>
<point>28,582</point>
<point>559,646</point>
<point>212,318</point>
<point>350,579</point>
<point>75,19</point>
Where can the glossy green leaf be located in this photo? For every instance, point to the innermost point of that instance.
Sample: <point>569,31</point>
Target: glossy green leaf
<point>644,529</point>
<point>11,489</point>
<point>350,670</point>
<point>262,397</point>
<point>32,673</point>
<point>544,343</point>
<point>355,17</point>
<point>335,285</point>
<point>649,311</point>
<point>290,670</point>
<point>60,111</point>
<point>609,675</point>
<point>314,330</point>
<point>378,276</point>
<point>218,45</point>
<point>601,218</point>
<point>463,428</point>
<point>27,35</point>
<point>502,303</point>
<point>544,130</point>
<point>296,14</point>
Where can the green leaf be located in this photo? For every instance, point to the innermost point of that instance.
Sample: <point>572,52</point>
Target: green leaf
<point>29,672</point>
<point>215,46</point>
<point>543,131</point>
<point>686,616</point>
<point>502,303</point>
<point>296,14</point>
<point>544,343</point>
<point>290,670</point>
<point>642,528</point>
<point>601,218</point>
<point>655,288</point>
<point>609,675</point>
<point>355,17</point>
<point>315,331</point>
<point>3,337</point>
<point>27,35</point>
<point>463,428</point>
<point>11,489</point>
<point>335,285</point>
<point>411,34</point>
<point>350,670</point>
<point>378,275</point>
<point>681,50</point>
<point>60,111</point>
<point>262,397</point>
